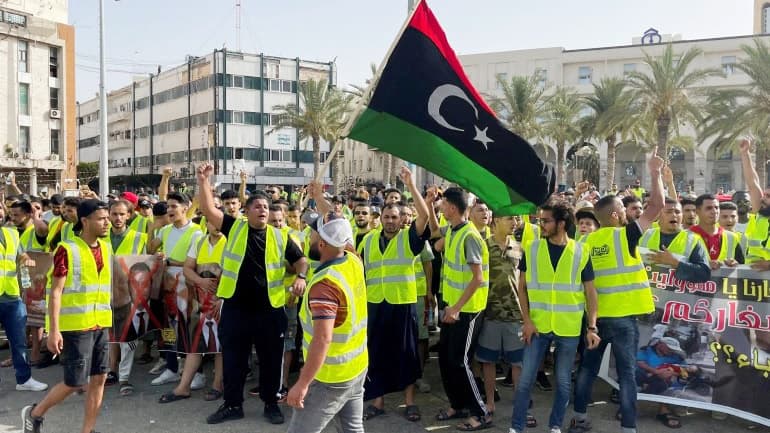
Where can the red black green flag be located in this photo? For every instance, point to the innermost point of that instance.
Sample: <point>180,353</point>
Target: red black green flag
<point>425,111</point>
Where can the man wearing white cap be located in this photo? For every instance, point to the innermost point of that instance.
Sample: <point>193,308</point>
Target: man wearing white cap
<point>334,319</point>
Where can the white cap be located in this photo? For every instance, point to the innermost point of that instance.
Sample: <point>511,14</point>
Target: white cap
<point>672,344</point>
<point>336,232</point>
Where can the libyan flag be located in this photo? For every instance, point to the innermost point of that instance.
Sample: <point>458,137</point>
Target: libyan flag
<point>425,110</point>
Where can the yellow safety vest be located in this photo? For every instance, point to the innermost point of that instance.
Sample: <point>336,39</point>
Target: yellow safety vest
<point>208,253</point>
<point>727,245</point>
<point>683,244</point>
<point>347,356</point>
<point>235,252</point>
<point>389,275</point>
<point>54,221</point>
<point>139,224</point>
<point>133,243</point>
<point>620,278</point>
<point>530,233</point>
<point>421,281</point>
<point>85,301</point>
<point>756,235</point>
<point>179,251</point>
<point>456,273</point>
<point>29,241</point>
<point>67,234</point>
<point>9,285</point>
<point>556,297</point>
<point>295,236</point>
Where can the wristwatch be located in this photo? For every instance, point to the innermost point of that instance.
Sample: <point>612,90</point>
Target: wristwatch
<point>591,328</point>
<point>302,275</point>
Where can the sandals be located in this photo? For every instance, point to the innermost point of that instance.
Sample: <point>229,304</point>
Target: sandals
<point>212,395</point>
<point>126,389</point>
<point>669,420</point>
<point>443,415</point>
<point>372,411</point>
<point>171,397</point>
<point>412,413</point>
<point>6,363</point>
<point>467,426</point>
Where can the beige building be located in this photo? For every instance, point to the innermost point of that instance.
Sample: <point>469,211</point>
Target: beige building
<point>581,68</point>
<point>37,93</point>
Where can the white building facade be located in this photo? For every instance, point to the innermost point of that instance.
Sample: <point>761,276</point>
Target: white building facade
<point>37,93</point>
<point>217,107</point>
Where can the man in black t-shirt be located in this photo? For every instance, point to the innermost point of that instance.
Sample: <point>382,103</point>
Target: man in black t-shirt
<point>248,316</point>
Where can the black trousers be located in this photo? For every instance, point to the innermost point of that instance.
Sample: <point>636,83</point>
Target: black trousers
<point>239,329</point>
<point>457,344</point>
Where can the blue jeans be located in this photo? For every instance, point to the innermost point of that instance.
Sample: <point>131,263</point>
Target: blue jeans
<point>13,317</point>
<point>623,333</point>
<point>566,348</point>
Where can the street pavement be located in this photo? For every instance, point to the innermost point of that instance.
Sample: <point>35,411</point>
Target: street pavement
<point>141,412</point>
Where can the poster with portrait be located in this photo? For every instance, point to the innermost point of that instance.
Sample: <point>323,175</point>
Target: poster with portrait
<point>134,281</point>
<point>203,311</point>
<point>709,342</point>
<point>37,268</point>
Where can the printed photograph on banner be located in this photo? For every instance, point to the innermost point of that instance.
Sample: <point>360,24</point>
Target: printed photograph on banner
<point>134,280</point>
<point>33,279</point>
<point>203,311</point>
<point>709,342</point>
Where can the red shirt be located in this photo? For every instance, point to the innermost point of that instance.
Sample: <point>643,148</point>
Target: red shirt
<point>60,268</point>
<point>713,242</point>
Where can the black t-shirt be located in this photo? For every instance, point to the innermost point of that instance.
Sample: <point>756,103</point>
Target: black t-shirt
<point>251,286</point>
<point>555,252</point>
<point>634,234</point>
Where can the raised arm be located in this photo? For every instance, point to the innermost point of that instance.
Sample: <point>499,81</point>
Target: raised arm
<point>163,187</point>
<point>419,204</point>
<point>656,201</point>
<point>206,198</point>
<point>430,198</point>
<point>242,188</point>
<point>317,193</point>
<point>668,180</point>
<point>751,176</point>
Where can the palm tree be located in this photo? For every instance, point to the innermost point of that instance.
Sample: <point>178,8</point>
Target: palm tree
<point>321,114</point>
<point>561,124</point>
<point>521,107</point>
<point>733,112</point>
<point>612,117</point>
<point>664,94</point>
<point>359,90</point>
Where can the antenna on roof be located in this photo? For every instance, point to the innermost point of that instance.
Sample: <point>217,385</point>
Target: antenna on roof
<point>238,25</point>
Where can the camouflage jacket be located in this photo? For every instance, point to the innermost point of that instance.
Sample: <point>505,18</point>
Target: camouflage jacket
<point>502,302</point>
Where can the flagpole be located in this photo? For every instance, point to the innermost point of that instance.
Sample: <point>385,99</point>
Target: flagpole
<point>364,100</point>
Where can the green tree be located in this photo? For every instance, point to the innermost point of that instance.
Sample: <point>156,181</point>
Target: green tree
<point>612,117</point>
<point>521,107</point>
<point>321,115</point>
<point>733,112</point>
<point>666,93</point>
<point>561,125</point>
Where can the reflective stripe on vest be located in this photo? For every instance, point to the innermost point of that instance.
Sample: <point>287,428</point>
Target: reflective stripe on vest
<point>133,243</point>
<point>9,285</point>
<point>683,243</point>
<point>208,253</point>
<point>390,275</point>
<point>347,356</point>
<point>235,252</point>
<point>559,290</point>
<point>456,273</point>
<point>621,279</point>
<point>29,240</point>
<point>85,300</point>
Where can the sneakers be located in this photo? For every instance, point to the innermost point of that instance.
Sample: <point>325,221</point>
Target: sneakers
<point>512,430</point>
<point>158,367</point>
<point>225,413</point>
<point>542,381</point>
<point>112,379</point>
<point>31,385</point>
<point>198,382</point>
<point>555,430</point>
<point>29,423</point>
<point>579,426</point>
<point>167,376</point>
<point>273,414</point>
<point>423,386</point>
<point>283,393</point>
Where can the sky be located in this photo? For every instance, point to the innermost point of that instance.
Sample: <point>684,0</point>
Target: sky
<point>142,34</point>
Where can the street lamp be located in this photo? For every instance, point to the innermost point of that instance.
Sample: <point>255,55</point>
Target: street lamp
<point>104,176</point>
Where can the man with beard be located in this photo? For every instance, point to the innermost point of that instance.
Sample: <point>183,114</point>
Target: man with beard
<point>633,205</point>
<point>56,202</point>
<point>689,212</point>
<point>61,230</point>
<point>252,286</point>
<point>388,256</point>
<point>480,216</point>
<point>392,196</point>
<point>32,230</point>
<point>362,216</point>
<point>722,246</point>
<point>624,293</point>
<point>743,202</point>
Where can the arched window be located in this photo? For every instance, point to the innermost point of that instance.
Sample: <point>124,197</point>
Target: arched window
<point>766,18</point>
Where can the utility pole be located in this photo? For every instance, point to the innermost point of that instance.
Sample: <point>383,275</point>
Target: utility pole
<point>104,176</point>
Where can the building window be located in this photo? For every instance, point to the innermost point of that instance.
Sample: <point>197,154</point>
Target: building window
<point>542,77</point>
<point>238,81</point>
<point>585,75</point>
<point>53,62</point>
<point>766,19</point>
<point>15,19</point>
<point>23,139</point>
<point>24,99</point>
<point>500,79</point>
<point>23,62</point>
<point>628,68</point>
<point>54,98</point>
<point>728,65</point>
<point>55,141</point>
